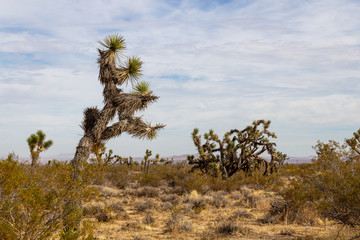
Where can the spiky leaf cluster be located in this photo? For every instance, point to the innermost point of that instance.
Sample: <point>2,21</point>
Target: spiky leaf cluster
<point>239,150</point>
<point>142,88</point>
<point>114,43</point>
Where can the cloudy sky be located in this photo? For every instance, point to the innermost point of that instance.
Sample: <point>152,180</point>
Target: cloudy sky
<point>215,64</point>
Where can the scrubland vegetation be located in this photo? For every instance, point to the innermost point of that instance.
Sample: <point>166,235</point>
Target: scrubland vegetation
<point>118,201</point>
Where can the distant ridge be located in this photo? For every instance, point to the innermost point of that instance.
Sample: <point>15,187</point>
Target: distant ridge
<point>176,158</point>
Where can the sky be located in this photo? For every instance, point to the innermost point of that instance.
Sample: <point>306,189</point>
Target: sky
<point>214,64</point>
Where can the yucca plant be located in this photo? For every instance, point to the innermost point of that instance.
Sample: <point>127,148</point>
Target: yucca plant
<point>37,144</point>
<point>112,74</point>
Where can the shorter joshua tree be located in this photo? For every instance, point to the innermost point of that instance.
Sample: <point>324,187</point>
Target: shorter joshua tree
<point>146,163</point>
<point>37,145</point>
<point>239,150</point>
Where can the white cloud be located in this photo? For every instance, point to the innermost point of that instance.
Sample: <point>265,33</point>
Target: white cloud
<point>213,65</point>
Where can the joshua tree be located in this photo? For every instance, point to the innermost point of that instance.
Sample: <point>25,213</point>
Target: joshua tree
<point>146,163</point>
<point>114,73</point>
<point>37,144</point>
<point>237,151</point>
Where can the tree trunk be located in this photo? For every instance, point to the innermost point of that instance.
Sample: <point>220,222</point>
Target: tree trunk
<point>82,153</point>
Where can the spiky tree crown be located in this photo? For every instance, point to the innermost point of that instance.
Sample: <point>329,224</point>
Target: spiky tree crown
<point>114,43</point>
<point>37,140</point>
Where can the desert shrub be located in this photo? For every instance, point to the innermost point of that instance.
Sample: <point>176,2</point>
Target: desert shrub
<point>197,201</point>
<point>148,192</point>
<point>149,219</point>
<point>287,232</point>
<point>117,206</point>
<point>330,187</point>
<point>188,208</point>
<point>240,213</point>
<point>177,223</point>
<point>217,199</point>
<point>226,227</point>
<point>236,195</point>
<point>166,206</point>
<point>91,210</point>
<point>139,238</point>
<point>170,198</point>
<point>299,198</point>
<point>144,205</point>
<point>133,225</point>
<point>40,202</point>
<point>118,176</point>
<point>338,183</point>
<point>104,215</point>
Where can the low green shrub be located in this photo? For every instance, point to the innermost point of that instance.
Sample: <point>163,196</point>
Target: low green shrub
<point>40,202</point>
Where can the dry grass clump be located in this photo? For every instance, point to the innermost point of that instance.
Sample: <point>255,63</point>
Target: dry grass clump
<point>116,206</point>
<point>252,200</point>
<point>174,199</point>
<point>144,205</point>
<point>282,212</point>
<point>104,215</point>
<point>236,195</point>
<point>228,227</point>
<point>218,199</point>
<point>118,176</point>
<point>91,210</point>
<point>241,214</point>
<point>166,206</point>
<point>148,219</point>
<point>101,212</point>
<point>108,192</point>
<point>133,225</point>
<point>196,200</point>
<point>140,238</point>
<point>287,232</point>
<point>147,191</point>
<point>177,223</point>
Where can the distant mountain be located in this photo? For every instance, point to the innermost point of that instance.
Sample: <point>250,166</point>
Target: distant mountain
<point>299,160</point>
<point>176,158</point>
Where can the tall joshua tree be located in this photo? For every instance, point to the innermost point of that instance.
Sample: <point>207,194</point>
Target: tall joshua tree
<point>112,74</point>
<point>37,144</point>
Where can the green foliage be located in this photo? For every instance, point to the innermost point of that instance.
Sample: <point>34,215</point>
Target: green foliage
<point>330,186</point>
<point>237,151</point>
<point>338,181</point>
<point>37,144</point>
<point>133,69</point>
<point>34,202</point>
<point>142,88</point>
<point>114,43</point>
